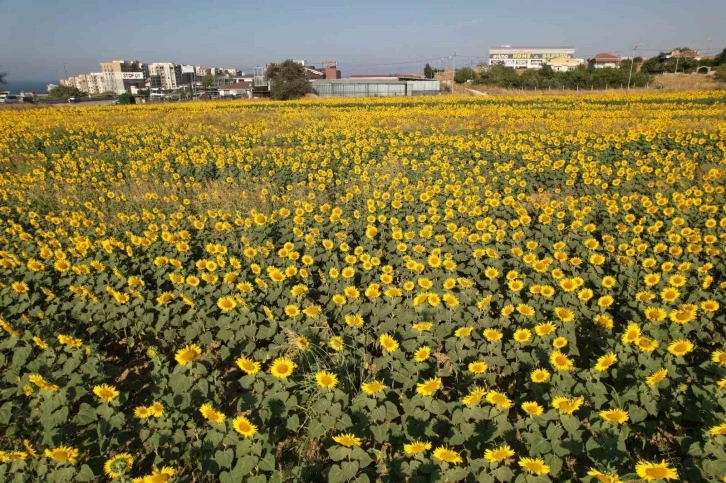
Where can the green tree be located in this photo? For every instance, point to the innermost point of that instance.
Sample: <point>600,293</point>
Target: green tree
<point>720,59</point>
<point>66,91</point>
<point>3,75</point>
<point>126,98</point>
<point>289,81</point>
<point>720,74</point>
<point>207,81</point>
<point>464,74</point>
<point>428,71</point>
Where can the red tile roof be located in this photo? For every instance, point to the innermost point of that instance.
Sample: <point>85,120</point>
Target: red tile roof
<point>605,57</point>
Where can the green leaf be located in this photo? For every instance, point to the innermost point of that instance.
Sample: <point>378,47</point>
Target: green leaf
<point>85,474</point>
<point>335,474</point>
<point>86,414</point>
<point>293,422</point>
<point>503,473</point>
<point>349,469</point>
<point>6,412</point>
<point>362,456</point>
<point>570,423</point>
<point>224,458</point>
<point>267,463</point>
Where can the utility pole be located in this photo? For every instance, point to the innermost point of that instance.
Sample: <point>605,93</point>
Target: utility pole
<point>64,70</point>
<point>453,72</point>
<point>678,57</point>
<point>632,62</point>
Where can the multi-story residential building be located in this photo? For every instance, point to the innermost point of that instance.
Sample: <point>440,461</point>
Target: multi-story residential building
<point>121,75</point>
<point>165,75</point>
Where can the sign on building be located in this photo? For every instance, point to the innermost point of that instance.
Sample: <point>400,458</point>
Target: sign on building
<point>187,69</point>
<point>132,75</point>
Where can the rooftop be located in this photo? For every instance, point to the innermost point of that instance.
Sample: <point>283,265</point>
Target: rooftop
<point>605,57</point>
<point>545,47</point>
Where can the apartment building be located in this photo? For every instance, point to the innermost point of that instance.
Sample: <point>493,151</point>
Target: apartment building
<point>120,75</point>
<point>165,75</point>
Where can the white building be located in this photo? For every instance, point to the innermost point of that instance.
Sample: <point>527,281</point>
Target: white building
<point>165,75</point>
<point>604,59</point>
<point>527,57</point>
<point>121,75</point>
<point>564,64</point>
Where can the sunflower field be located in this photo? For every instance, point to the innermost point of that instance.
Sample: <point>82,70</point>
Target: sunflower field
<point>388,290</point>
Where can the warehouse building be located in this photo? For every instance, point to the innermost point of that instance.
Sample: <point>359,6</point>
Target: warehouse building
<point>376,87</point>
<point>527,57</point>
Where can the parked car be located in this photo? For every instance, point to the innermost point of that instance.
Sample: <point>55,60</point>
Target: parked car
<point>74,99</point>
<point>8,99</point>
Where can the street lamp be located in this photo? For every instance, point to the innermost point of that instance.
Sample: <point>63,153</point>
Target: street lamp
<point>632,61</point>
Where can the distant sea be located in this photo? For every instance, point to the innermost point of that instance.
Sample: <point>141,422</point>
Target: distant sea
<point>15,86</point>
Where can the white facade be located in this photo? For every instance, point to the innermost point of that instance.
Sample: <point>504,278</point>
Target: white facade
<point>564,64</point>
<point>527,57</point>
<point>165,75</point>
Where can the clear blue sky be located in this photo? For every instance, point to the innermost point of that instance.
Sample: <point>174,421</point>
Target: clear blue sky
<point>37,36</point>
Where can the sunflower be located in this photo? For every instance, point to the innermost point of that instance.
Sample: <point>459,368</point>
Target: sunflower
<point>226,304</point>
<point>416,447</point>
<point>474,396</point>
<point>373,387</point>
<point>498,454</point>
<point>680,347</point>
<point>447,455</point>
<point>655,471</point>
<point>532,408</point>
<point>604,477</point>
<point>157,409</point>
<point>632,333</point>
<point>326,380</point>
<point>656,377</point>
<point>29,449</point>
<point>565,315</point>
<point>244,427</point>
<point>188,354</point>
<point>422,353</point>
<point>655,314</point>
<point>282,368</point>
<point>604,362</point>
<point>670,294</point>
<point>347,439</point>
<point>615,415</point>
<point>522,335</point>
<point>718,430</point>
<point>248,365</point>
<point>118,465</point>
<point>492,335</point>
<point>105,392</point>
<point>560,361</point>
<point>142,412</point>
<point>498,399</point>
<point>545,328</point>
<point>211,414</point>
<point>422,326</point>
<point>336,343</point>
<point>540,375</point>
<point>354,320</point>
<point>160,475</point>
<point>463,331</point>
<point>62,454</point>
<point>565,405</point>
<point>428,387</point>
<point>478,367</point>
<point>534,465</point>
<point>388,343</point>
